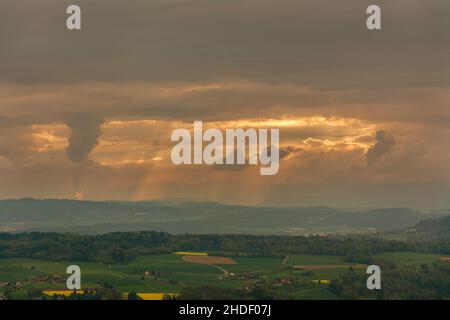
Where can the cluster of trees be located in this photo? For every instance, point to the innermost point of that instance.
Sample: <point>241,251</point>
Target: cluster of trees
<point>216,293</point>
<point>122,247</point>
<point>406,282</point>
<point>97,294</point>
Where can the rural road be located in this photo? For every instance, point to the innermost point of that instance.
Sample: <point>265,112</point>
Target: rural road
<point>225,272</point>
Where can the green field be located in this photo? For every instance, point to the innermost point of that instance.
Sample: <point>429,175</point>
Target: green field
<point>409,257</point>
<point>170,273</point>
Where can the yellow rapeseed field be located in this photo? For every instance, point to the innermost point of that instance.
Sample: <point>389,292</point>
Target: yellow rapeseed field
<point>187,253</point>
<point>155,296</point>
<point>321,281</point>
<point>61,292</point>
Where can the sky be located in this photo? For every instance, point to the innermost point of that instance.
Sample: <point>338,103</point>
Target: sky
<point>364,116</point>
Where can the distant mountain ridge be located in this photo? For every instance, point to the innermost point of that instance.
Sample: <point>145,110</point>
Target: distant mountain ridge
<point>197,217</point>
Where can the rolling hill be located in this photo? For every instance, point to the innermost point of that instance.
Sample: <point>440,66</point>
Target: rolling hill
<point>437,229</point>
<point>92,217</point>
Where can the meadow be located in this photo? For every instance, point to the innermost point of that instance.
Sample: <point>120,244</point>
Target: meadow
<point>170,273</point>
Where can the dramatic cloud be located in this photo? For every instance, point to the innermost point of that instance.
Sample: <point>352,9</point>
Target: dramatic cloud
<point>85,131</point>
<point>380,148</point>
<point>302,41</point>
<point>86,118</point>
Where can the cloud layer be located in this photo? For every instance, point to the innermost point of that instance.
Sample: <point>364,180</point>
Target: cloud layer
<point>363,116</point>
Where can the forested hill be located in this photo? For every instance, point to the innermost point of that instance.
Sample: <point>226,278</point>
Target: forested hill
<point>124,247</point>
<point>427,230</point>
<point>97,217</point>
<point>440,226</point>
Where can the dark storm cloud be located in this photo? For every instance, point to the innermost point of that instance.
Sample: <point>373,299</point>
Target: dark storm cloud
<point>322,43</point>
<point>85,131</point>
<point>176,61</point>
<point>380,148</point>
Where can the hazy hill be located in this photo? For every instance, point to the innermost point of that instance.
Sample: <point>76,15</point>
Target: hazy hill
<point>196,217</point>
<point>426,230</point>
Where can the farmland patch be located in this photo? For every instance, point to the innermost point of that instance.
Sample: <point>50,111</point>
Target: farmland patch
<point>209,260</point>
<point>330,266</point>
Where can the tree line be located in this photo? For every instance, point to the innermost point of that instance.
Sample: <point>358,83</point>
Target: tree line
<point>123,247</point>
